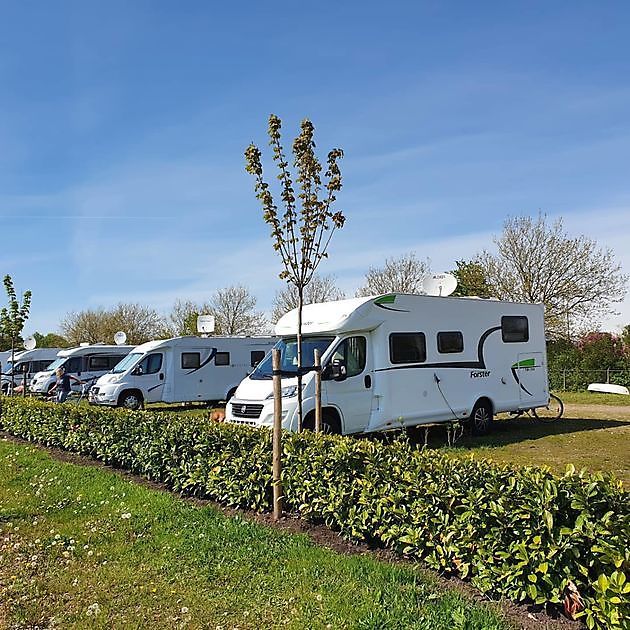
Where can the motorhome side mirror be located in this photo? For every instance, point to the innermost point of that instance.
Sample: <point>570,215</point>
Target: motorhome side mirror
<point>137,371</point>
<point>336,370</point>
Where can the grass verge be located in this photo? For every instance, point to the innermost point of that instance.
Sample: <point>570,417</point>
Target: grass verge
<point>82,547</point>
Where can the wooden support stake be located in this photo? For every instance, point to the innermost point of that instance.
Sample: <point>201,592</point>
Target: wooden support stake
<point>318,391</point>
<point>277,435</point>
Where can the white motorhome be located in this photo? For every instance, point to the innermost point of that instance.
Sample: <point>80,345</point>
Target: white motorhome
<point>402,360</point>
<point>86,362</point>
<point>181,369</point>
<point>27,362</point>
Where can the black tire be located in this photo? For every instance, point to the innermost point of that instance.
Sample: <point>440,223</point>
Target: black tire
<point>552,412</point>
<point>330,423</point>
<point>481,418</point>
<point>131,400</point>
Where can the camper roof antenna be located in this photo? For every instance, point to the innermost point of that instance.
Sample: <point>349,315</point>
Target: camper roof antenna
<point>439,284</point>
<point>120,337</point>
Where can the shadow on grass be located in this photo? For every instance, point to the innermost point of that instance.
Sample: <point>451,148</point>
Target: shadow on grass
<point>513,431</point>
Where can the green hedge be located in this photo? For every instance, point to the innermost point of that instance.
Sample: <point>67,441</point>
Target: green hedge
<point>519,532</point>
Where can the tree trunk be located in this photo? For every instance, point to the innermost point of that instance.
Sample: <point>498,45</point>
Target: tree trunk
<point>12,364</point>
<point>299,349</point>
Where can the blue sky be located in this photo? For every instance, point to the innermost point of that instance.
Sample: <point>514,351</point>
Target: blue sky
<point>123,126</point>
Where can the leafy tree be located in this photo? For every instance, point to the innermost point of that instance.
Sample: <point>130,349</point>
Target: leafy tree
<point>400,275</point>
<point>471,279</point>
<point>320,289</point>
<point>51,340</point>
<point>14,315</point>
<point>302,233</point>
<point>234,314</point>
<point>99,325</point>
<point>182,320</point>
<point>576,280</point>
<point>625,338</point>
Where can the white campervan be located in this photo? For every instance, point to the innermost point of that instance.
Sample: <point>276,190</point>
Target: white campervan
<point>27,362</point>
<point>403,360</point>
<point>181,369</point>
<point>86,362</point>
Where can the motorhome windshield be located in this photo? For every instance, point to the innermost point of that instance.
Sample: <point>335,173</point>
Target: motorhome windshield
<point>57,363</point>
<point>288,355</point>
<point>129,361</point>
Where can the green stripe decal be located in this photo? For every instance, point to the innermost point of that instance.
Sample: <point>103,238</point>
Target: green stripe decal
<point>525,363</point>
<point>385,299</point>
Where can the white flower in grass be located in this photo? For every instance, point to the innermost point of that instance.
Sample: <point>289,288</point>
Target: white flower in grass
<point>93,609</point>
<point>126,515</point>
<point>184,610</point>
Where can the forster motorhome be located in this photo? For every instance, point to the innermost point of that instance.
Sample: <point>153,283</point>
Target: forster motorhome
<point>182,369</point>
<point>86,362</point>
<point>403,360</point>
<point>26,364</point>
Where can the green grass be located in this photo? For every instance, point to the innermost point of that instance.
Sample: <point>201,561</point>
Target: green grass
<point>82,547</point>
<point>593,434</point>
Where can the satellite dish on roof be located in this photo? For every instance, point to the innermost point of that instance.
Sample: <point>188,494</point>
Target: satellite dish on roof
<point>440,284</point>
<point>120,337</point>
<point>30,343</point>
<point>205,324</point>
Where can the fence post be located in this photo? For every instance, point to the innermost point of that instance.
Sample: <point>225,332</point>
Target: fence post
<point>608,375</point>
<point>277,435</point>
<point>564,380</point>
<point>318,391</point>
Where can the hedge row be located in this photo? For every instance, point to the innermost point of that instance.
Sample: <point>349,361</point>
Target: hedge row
<point>519,532</point>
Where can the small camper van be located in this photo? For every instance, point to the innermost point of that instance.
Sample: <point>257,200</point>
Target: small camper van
<point>182,369</point>
<point>86,362</point>
<point>403,360</point>
<point>27,362</point>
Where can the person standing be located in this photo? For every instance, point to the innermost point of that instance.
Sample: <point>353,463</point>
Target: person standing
<point>62,387</point>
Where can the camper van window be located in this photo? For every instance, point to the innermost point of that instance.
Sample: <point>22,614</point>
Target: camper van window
<point>151,364</point>
<point>514,329</point>
<point>97,363</point>
<point>222,358</point>
<point>40,366</point>
<point>124,364</point>
<point>73,365</point>
<point>288,355</point>
<point>450,342</point>
<point>257,356</point>
<point>191,360</point>
<point>351,353</point>
<point>407,348</point>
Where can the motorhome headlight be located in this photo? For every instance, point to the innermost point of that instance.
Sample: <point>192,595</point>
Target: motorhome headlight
<point>287,392</point>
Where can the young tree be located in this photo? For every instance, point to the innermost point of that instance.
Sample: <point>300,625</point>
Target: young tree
<point>320,289</point>
<point>537,261</point>
<point>182,320</point>
<point>302,232</point>
<point>14,315</point>
<point>400,275</point>
<point>471,279</point>
<point>234,314</point>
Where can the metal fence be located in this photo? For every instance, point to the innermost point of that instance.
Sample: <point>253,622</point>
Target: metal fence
<point>576,380</point>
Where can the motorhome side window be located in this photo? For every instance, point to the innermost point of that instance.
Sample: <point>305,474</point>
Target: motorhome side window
<point>222,358</point>
<point>73,365</point>
<point>514,328</point>
<point>191,360</point>
<point>151,364</point>
<point>351,353</point>
<point>98,363</point>
<point>256,357</point>
<point>450,342</point>
<point>407,348</point>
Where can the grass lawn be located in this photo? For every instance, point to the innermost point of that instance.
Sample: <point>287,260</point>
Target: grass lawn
<point>594,433</point>
<point>82,547</point>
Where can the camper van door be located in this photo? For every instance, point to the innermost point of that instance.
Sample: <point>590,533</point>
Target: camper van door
<point>348,382</point>
<point>148,376</point>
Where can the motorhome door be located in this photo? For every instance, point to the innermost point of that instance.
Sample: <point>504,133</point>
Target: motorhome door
<point>351,394</point>
<point>531,376</point>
